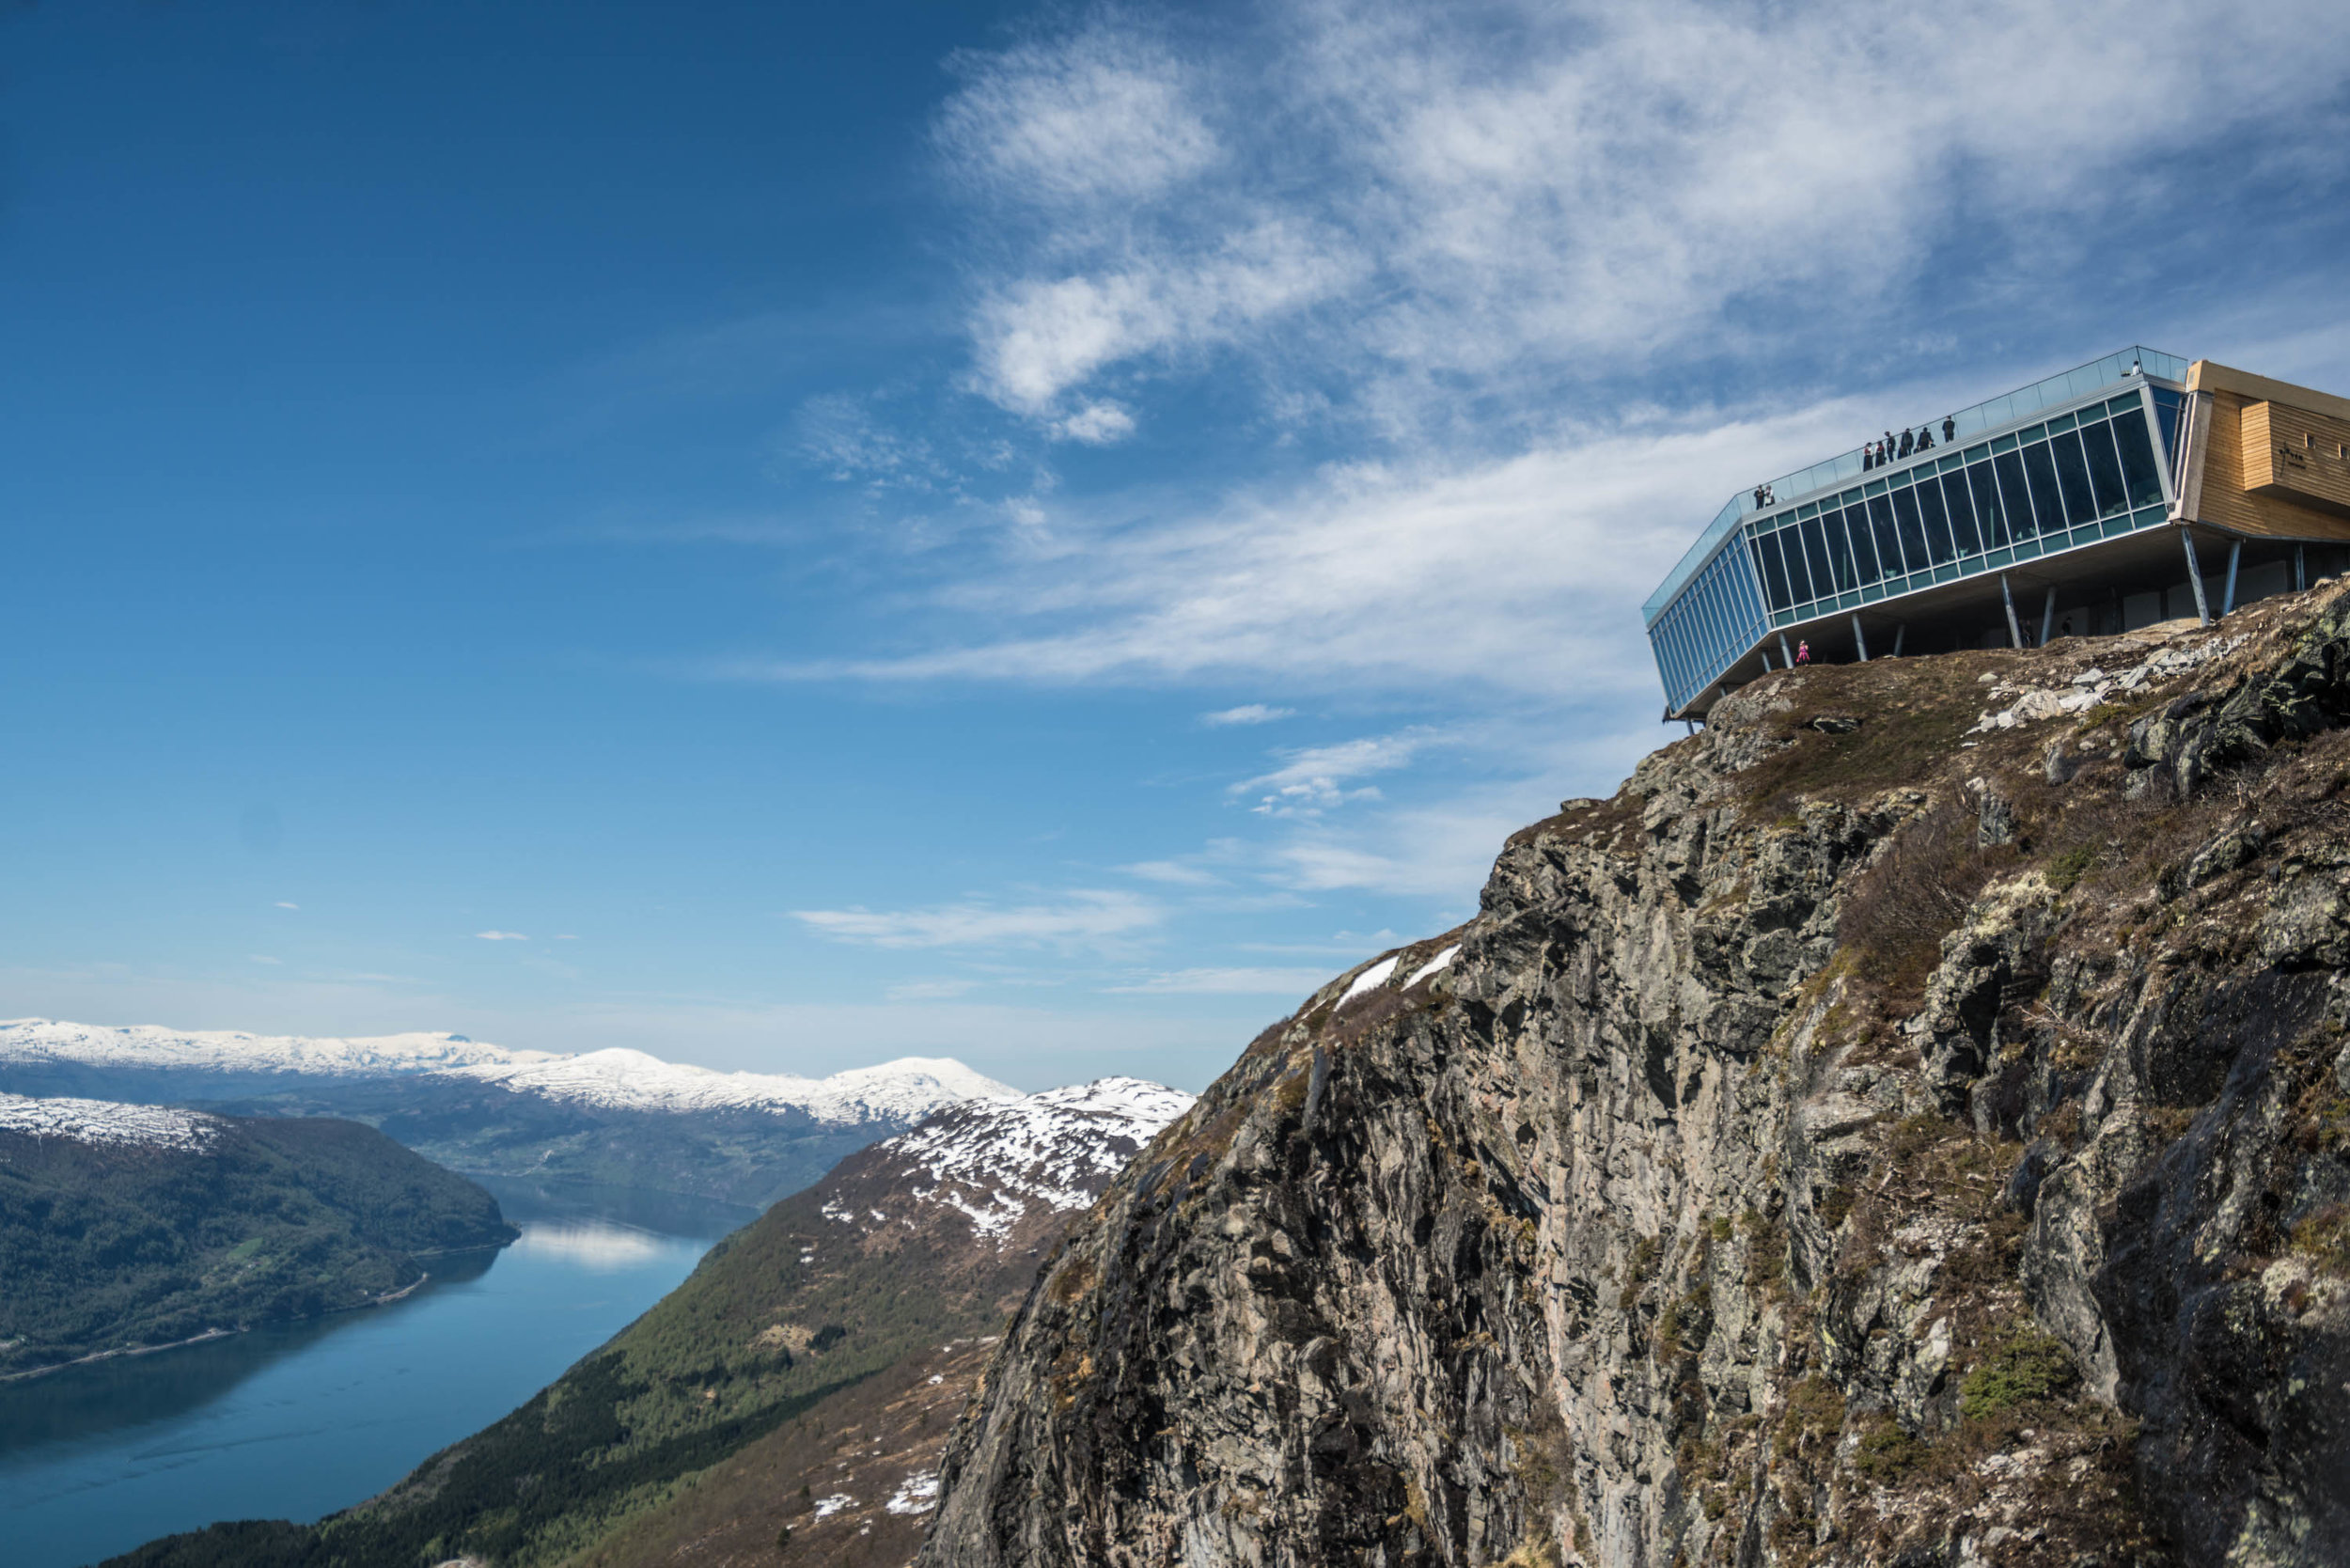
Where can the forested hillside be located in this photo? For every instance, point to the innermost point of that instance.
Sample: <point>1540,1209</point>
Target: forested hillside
<point>123,1227</point>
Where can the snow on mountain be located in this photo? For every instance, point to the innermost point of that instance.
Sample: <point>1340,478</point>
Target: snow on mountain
<point>106,1121</point>
<point>617,1079</point>
<point>998,1160</point>
<point>621,1079</point>
<point>149,1046</point>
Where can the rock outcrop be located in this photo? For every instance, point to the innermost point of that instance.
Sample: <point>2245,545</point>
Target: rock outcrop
<point>1905,1139</point>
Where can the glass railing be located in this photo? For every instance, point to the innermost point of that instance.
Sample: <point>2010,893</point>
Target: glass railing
<point>1991,415</point>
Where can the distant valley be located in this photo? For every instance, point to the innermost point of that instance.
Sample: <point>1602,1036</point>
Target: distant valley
<point>799,1385</point>
<point>126,1227</point>
<point>611,1118</point>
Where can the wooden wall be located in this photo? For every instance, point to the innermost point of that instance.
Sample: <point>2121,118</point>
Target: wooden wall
<point>2273,463</point>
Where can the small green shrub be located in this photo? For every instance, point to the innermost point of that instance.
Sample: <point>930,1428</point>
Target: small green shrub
<point>2028,1365</point>
<point>2065,872</point>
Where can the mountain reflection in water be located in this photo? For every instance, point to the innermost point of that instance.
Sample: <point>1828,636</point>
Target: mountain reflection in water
<point>298,1420</point>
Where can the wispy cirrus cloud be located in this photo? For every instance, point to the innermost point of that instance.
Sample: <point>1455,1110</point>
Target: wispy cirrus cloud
<point>1247,712</point>
<point>1368,202</point>
<point>500,937</point>
<point>1241,982</point>
<point>1094,919</point>
<point>1311,781</point>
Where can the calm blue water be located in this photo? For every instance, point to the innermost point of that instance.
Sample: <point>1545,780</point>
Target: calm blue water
<point>299,1421</point>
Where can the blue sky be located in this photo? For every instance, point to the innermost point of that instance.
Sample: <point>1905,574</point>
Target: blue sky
<point>789,535</point>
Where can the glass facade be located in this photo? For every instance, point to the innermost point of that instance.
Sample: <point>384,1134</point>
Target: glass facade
<point>2083,475</point>
<point>2087,472</point>
<point>1720,610</point>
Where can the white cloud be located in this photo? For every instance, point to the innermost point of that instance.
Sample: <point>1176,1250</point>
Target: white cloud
<point>1227,982</point>
<point>1098,920</point>
<point>500,937</point>
<point>258,958</point>
<point>1097,424</point>
<point>1311,781</point>
<point>1402,196</point>
<point>1175,873</point>
<point>283,905</point>
<point>1105,113</point>
<point>1247,712</point>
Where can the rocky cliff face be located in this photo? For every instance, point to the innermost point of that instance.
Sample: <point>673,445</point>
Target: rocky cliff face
<point>1908,1125</point>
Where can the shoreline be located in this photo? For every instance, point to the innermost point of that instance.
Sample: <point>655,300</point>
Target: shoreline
<point>210,1334</point>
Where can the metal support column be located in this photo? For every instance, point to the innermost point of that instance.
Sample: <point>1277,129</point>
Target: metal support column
<point>2007,597</point>
<point>2301,569</point>
<point>2047,615</point>
<point>1860,639</point>
<point>2195,577</point>
<point>1786,652</point>
<point>1899,632</point>
<point>2227,600</point>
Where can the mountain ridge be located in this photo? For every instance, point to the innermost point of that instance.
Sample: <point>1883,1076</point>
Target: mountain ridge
<point>615,1117</point>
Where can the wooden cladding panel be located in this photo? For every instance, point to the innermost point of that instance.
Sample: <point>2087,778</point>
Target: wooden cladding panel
<point>2238,497</point>
<point>2295,455</point>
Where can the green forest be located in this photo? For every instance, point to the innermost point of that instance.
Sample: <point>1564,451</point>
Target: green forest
<point>110,1246</point>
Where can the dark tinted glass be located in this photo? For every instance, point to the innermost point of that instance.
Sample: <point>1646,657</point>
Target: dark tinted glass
<point>1815,546</point>
<point>2137,460</point>
<point>1913,530</point>
<point>1864,551</point>
<point>1799,570</point>
<point>2104,469</point>
<point>1989,515</point>
<point>1888,542</point>
<point>2167,410</point>
<point>1839,554</point>
<point>1937,525</point>
<point>1772,572</point>
<point>2047,505</point>
<point>2072,466</point>
<point>2015,495</point>
<point>1961,512</point>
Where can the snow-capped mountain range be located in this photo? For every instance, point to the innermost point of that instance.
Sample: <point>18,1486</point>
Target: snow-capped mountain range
<point>108,1121</point>
<point>617,1079</point>
<point>999,1162</point>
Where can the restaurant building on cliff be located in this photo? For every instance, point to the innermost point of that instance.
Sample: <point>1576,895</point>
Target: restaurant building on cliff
<point>2138,488</point>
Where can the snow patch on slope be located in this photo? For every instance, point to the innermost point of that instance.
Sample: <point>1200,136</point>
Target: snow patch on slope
<point>1372,978</point>
<point>992,1162</point>
<point>106,1121</point>
<point>149,1046</point>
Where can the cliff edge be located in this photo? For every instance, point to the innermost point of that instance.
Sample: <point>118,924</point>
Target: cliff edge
<point>1908,1125</point>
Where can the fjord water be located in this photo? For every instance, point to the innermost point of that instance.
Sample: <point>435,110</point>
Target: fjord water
<point>300,1421</point>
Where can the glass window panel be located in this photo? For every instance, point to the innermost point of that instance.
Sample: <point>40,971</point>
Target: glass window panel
<point>1888,542</point>
<point>2138,459</point>
<point>2031,432</point>
<point>1864,550</point>
<point>1798,569</point>
<point>2061,422</point>
<point>1939,547</point>
<point>1990,518</point>
<point>2012,493</point>
<point>2002,444</point>
<point>1815,547</point>
<point>1839,557</point>
<point>2072,466</point>
<point>1913,529</point>
<point>2104,469</point>
<point>1961,513</point>
<point>1811,511</point>
<point>1976,454</point>
<point>2047,504</point>
<point>1773,571</point>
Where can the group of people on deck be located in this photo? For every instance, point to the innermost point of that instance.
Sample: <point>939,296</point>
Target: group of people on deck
<point>1876,454</point>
